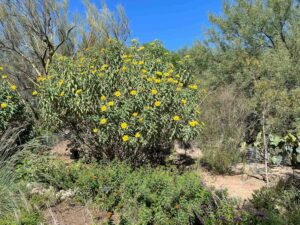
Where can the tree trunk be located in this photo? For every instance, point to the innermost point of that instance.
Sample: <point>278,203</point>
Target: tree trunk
<point>265,147</point>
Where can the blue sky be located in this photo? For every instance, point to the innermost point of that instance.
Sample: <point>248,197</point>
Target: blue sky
<point>177,23</point>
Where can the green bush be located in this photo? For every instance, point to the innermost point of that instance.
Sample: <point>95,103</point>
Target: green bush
<point>125,103</point>
<point>25,218</point>
<point>138,196</point>
<point>11,108</point>
<point>226,110</point>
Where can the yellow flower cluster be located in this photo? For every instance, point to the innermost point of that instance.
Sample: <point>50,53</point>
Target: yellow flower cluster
<point>34,93</point>
<point>3,105</point>
<point>117,93</point>
<point>103,108</point>
<point>193,123</point>
<point>176,118</point>
<point>78,92</point>
<point>133,92</point>
<point>157,103</point>
<point>103,121</point>
<point>124,125</point>
<point>13,87</point>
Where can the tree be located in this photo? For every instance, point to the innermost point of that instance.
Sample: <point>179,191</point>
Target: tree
<point>255,45</point>
<point>33,31</point>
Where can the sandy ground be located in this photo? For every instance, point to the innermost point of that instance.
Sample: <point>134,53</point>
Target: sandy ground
<point>69,213</point>
<point>238,186</point>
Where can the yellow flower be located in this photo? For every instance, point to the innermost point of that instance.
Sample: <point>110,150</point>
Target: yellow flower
<point>135,114</point>
<point>149,79</point>
<point>125,138</point>
<point>9,97</point>
<point>60,82</point>
<point>176,118</point>
<point>41,78</point>
<point>193,123</point>
<point>157,81</point>
<point>170,80</point>
<point>141,48</point>
<point>183,101</point>
<point>3,105</point>
<point>117,93</point>
<point>35,93</point>
<point>103,67</point>
<point>62,94</point>
<point>193,86</point>
<point>141,119</point>
<point>180,84</point>
<point>124,125</point>
<point>103,108</point>
<point>178,89</point>
<point>79,91</point>
<point>167,74</point>
<point>111,103</point>
<point>103,121</point>
<point>100,75</point>
<point>144,71</point>
<point>103,98</point>
<point>134,62</point>
<point>141,62</point>
<point>1,68</point>
<point>158,73</point>
<point>153,92</point>
<point>124,68</point>
<point>157,103</point>
<point>4,76</point>
<point>133,92</point>
<point>95,130</point>
<point>137,134</point>
<point>13,87</point>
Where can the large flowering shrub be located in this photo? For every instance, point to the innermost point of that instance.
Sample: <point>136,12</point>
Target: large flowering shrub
<point>11,108</point>
<point>124,102</point>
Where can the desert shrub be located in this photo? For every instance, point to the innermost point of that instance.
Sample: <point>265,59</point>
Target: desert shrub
<point>278,204</point>
<point>225,112</point>
<point>145,195</point>
<point>11,108</point>
<point>128,103</point>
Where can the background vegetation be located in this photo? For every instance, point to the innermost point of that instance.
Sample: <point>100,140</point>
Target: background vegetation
<point>122,106</point>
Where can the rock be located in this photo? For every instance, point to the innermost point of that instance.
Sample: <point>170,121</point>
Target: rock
<point>65,194</point>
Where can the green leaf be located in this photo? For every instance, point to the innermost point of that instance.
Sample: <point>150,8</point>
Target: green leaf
<point>276,160</point>
<point>275,140</point>
<point>298,158</point>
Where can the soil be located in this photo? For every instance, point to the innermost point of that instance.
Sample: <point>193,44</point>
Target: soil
<point>237,186</point>
<point>69,213</point>
<point>62,152</point>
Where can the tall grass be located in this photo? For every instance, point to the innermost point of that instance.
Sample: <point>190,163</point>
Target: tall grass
<point>12,198</point>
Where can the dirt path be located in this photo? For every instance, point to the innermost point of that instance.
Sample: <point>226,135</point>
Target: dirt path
<point>238,186</point>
